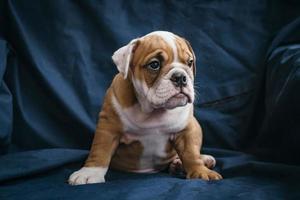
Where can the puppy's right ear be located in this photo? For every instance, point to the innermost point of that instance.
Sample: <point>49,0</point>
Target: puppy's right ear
<point>123,56</point>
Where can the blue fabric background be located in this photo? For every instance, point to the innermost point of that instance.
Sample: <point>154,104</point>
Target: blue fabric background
<point>55,66</point>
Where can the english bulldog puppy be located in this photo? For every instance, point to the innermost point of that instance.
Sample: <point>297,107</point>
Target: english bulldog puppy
<point>146,123</point>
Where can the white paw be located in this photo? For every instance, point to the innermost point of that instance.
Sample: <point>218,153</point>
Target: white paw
<point>88,175</point>
<point>209,161</point>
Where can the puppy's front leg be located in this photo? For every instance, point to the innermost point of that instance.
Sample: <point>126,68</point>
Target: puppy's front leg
<point>106,140</point>
<point>95,168</point>
<point>188,144</point>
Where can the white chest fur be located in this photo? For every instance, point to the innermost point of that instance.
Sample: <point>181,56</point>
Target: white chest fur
<point>152,130</point>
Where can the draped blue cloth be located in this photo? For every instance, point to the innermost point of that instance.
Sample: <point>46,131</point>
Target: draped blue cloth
<point>55,67</point>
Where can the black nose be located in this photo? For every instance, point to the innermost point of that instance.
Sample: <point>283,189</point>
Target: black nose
<point>179,80</point>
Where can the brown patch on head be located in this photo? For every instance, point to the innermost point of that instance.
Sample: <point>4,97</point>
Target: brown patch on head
<point>151,47</point>
<point>154,46</point>
<point>185,52</point>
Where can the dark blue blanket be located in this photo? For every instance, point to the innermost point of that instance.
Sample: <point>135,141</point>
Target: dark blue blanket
<point>55,66</point>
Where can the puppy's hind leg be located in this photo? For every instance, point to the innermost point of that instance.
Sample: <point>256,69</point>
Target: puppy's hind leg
<point>209,161</point>
<point>176,168</point>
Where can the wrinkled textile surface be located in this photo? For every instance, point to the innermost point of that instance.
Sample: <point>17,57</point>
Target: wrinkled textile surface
<point>55,66</point>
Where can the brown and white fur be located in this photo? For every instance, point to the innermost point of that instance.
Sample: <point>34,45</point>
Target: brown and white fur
<point>147,122</point>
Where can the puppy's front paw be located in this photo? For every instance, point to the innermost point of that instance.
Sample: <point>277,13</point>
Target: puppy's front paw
<point>88,175</point>
<point>203,173</point>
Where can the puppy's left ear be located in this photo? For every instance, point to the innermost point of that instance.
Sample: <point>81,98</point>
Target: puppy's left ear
<point>123,56</point>
<point>194,56</point>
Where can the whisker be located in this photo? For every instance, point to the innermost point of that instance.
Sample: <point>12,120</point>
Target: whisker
<point>197,94</point>
<point>198,85</point>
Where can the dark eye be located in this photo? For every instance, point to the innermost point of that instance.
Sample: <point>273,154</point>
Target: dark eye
<point>190,62</point>
<point>154,65</point>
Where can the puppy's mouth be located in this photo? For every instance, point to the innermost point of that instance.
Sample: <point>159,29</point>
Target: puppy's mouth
<point>179,99</point>
<point>181,95</point>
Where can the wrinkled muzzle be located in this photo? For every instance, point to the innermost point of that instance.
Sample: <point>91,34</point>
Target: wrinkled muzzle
<point>175,89</point>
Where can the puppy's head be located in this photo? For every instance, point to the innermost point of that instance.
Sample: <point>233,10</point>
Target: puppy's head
<point>161,66</point>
